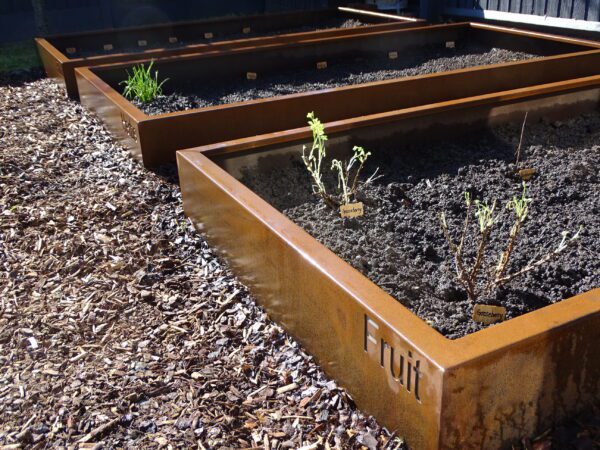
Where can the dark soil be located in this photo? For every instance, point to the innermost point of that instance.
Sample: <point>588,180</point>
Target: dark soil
<point>425,60</point>
<point>325,25</point>
<point>399,244</point>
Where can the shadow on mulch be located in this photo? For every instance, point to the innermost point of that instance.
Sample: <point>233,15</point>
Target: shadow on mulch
<point>167,172</point>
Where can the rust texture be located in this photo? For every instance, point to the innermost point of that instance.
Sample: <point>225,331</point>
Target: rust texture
<point>161,135</point>
<point>59,65</point>
<point>484,390</point>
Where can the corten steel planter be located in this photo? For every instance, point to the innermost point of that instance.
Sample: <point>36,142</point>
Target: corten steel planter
<point>156,138</point>
<point>62,54</point>
<point>482,391</point>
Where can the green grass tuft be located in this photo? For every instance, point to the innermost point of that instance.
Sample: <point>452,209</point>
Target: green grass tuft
<point>142,85</point>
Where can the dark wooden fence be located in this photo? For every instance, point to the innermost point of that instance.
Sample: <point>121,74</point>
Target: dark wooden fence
<point>567,14</point>
<point>65,16</point>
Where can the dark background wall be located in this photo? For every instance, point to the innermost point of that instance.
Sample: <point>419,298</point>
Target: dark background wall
<point>65,16</point>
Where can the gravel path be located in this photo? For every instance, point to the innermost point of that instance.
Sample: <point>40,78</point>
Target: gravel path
<point>119,328</point>
<point>117,323</point>
<point>180,96</point>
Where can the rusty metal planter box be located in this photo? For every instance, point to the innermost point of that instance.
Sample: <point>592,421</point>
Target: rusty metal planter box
<point>156,138</point>
<point>62,54</point>
<point>484,390</point>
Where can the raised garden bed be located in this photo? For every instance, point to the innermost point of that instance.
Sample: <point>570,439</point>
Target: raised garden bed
<point>482,390</point>
<point>156,137</point>
<point>62,54</point>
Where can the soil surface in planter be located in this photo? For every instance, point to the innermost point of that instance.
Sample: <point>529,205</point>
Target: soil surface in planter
<point>425,60</point>
<point>399,244</point>
<point>219,37</point>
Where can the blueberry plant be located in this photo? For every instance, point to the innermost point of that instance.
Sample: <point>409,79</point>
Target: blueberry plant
<point>468,274</point>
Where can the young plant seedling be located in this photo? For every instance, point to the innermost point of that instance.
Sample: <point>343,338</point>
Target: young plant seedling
<point>314,159</point>
<point>348,184</point>
<point>468,276</point>
<point>141,85</point>
<point>348,173</point>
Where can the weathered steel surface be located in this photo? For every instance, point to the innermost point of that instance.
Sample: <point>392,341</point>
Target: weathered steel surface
<point>54,48</point>
<point>160,136</point>
<point>484,390</point>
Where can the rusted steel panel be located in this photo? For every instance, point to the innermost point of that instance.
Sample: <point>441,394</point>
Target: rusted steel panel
<point>121,118</point>
<point>528,381</point>
<point>161,135</point>
<point>341,324</point>
<point>52,59</point>
<point>481,391</point>
<point>159,38</point>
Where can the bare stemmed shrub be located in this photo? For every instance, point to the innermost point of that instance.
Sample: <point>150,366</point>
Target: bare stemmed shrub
<point>348,173</point>
<point>468,275</point>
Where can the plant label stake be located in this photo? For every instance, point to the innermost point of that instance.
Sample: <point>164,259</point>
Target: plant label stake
<point>450,44</point>
<point>488,314</point>
<point>71,50</point>
<point>322,65</point>
<point>246,30</point>
<point>251,75</point>
<point>108,47</point>
<point>352,210</point>
<point>173,40</point>
<point>527,174</point>
<point>208,35</point>
<point>393,55</point>
<point>142,43</point>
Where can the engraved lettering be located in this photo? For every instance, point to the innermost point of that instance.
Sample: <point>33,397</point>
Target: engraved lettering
<point>368,336</point>
<point>399,377</point>
<point>409,372</point>
<point>403,364</point>
<point>417,378</point>
<point>128,127</point>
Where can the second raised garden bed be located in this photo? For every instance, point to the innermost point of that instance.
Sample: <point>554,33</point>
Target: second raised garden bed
<point>62,54</point>
<point>484,389</point>
<point>523,60</point>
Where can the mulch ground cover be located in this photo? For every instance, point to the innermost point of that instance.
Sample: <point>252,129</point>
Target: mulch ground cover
<point>119,328</point>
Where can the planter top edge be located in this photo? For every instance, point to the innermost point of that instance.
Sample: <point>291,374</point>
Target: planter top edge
<point>112,94</point>
<point>311,39</point>
<point>531,326</point>
<point>396,81</point>
<point>535,34</point>
<point>300,43</point>
<point>210,49</point>
<point>382,306</point>
<point>339,126</point>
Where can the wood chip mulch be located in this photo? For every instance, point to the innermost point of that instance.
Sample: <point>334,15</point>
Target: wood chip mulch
<point>119,328</point>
